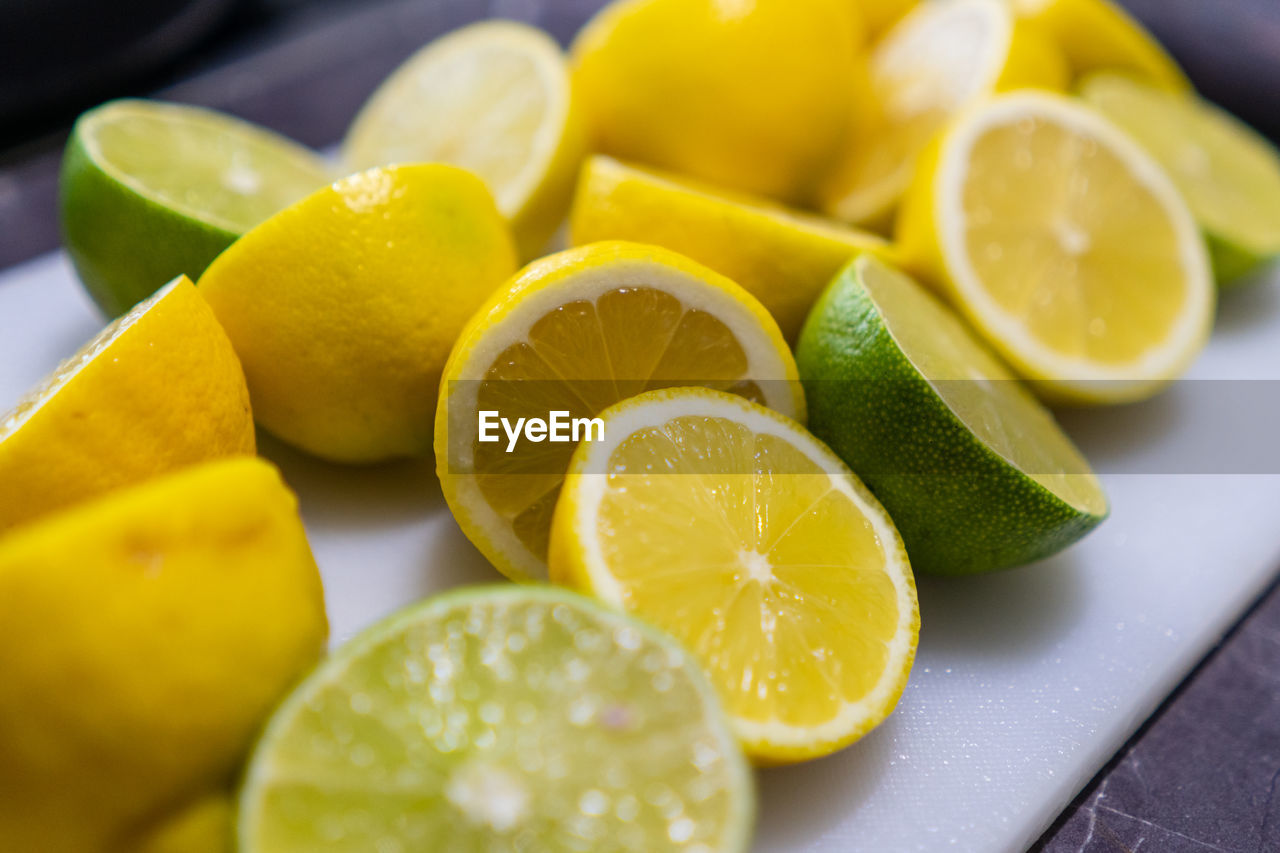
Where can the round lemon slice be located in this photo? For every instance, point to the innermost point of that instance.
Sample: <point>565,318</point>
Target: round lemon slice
<point>493,98</point>
<point>740,533</point>
<point>575,333</point>
<point>938,59</point>
<point>1066,245</point>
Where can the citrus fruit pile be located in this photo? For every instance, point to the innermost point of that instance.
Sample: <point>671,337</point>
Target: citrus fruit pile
<point>827,264</point>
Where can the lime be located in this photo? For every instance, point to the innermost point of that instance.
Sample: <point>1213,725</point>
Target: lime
<point>153,190</point>
<point>975,473</point>
<point>500,719</point>
<point>1228,173</point>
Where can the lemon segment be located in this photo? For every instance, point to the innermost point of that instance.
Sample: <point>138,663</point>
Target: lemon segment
<point>493,98</point>
<point>576,332</point>
<point>737,531</point>
<point>783,257</point>
<point>146,636</point>
<point>943,56</point>
<point>158,389</point>
<point>1228,173</point>
<point>1065,245</point>
<point>1099,35</point>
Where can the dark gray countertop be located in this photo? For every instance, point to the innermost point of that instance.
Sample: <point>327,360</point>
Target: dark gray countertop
<point>1201,775</point>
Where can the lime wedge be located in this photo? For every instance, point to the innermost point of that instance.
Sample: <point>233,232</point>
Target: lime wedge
<point>152,190</point>
<point>502,718</point>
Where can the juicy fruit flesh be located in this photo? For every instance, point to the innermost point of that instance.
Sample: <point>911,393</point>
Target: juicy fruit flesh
<point>582,357</point>
<point>1229,176</point>
<point>206,166</point>
<point>741,546</point>
<point>980,390</point>
<point>501,724</point>
<point>1062,237</point>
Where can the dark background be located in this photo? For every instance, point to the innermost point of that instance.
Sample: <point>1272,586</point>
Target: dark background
<point>1202,775</point>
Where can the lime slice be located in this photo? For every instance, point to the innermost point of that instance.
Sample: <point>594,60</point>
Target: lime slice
<point>974,471</point>
<point>506,718</point>
<point>151,190</point>
<point>1228,173</point>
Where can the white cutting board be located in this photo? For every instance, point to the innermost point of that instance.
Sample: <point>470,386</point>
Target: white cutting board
<point>1026,682</point>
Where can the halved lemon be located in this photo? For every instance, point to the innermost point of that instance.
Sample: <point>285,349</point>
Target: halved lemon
<point>1098,35</point>
<point>574,333</point>
<point>938,59</point>
<point>493,98</point>
<point>1066,245</point>
<point>740,533</point>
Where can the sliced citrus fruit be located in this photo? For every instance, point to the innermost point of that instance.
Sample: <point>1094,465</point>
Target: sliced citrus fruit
<point>782,257</point>
<point>153,190</point>
<point>1099,35</point>
<point>145,636</point>
<point>493,98</point>
<point>983,479</point>
<point>1228,173</point>
<point>1066,245</point>
<point>744,536</point>
<point>941,57</point>
<point>344,306</point>
<point>502,718</point>
<point>576,332</point>
<point>158,389</point>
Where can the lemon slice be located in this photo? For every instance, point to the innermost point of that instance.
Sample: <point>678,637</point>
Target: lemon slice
<point>1228,173</point>
<point>493,98</point>
<point>783,257</point>
<point>577,332</point>
<point>158,389</point>
<point>1098,35</point>
<point>745,537</point>
<point>1065,245</point>
<point>938,59</point>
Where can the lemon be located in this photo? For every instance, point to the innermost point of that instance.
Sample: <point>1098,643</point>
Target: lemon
<point>744,536</point>
<point>152,190</point>
<point>146,636</point>
<point>1228,173</point>
<point>1065,245</point>
<point>973,469</point>
<point>500,718</point>
<point>755,96</point>
<point>343,307</point>
<point>880,15</point>
<point>158,389</point>
<point>493,98</point>
<point>940,58</point>
<point>782,257</point>
<point>576,332</point>
<point>1099,35</point>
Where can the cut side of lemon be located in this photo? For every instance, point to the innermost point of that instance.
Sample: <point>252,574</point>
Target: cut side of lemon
<point>576,332</point>
<point>1065,245</point>
<point>493,98</point>
<point>1099,35</point>
<point>783,257</point>
<point>1228,173</point>
<point>937,60</point>
<point>744,536</point>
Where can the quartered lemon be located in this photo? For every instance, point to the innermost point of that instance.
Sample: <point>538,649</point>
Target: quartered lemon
<point>493,98</point>
<point>158,389</point>
<point>1099,35</point>
<point>744,536</point>
<point>783,257</point>
<point>511,718</point>
<point>973,469</point>
<point>1228,173</point>
<point>576,332</point>
<point>940,58</point>
<point>1065,245</point>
